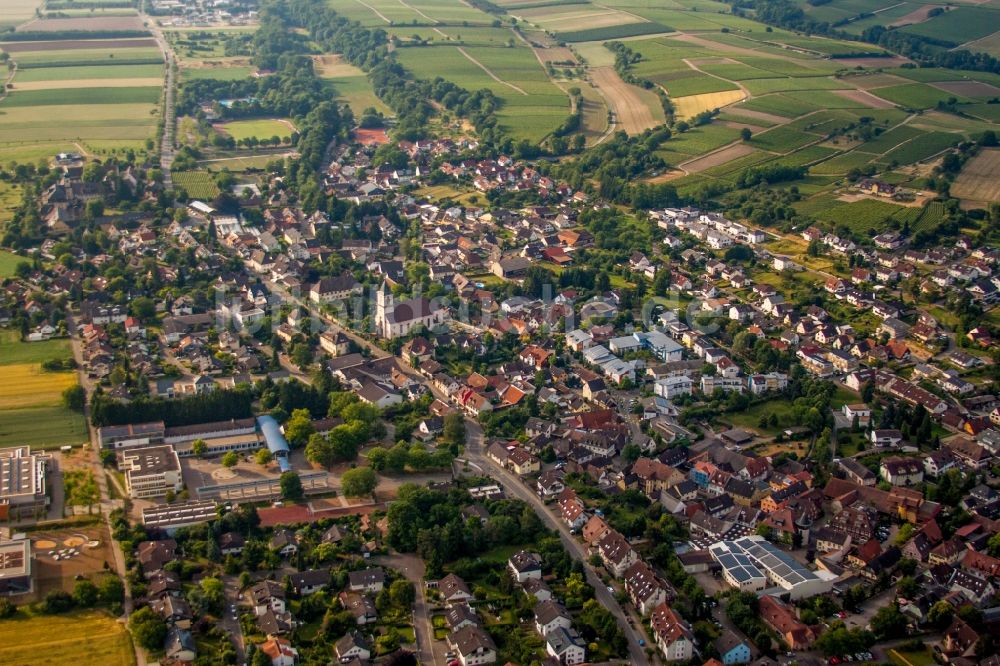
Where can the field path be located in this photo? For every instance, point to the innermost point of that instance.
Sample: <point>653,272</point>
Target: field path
<point>167,148</point>
<point>489,73</point>
<point>629,110</point>
<point>374,11</point>
<point>414,9</point>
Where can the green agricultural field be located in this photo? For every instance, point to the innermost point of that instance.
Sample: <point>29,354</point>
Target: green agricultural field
<point>263,128</point>
<point>926,146</point>
<point>697,85</point>
<point>197,184</point>
<point>702,139</point>
<point>862,216</point>
<point>778,105</point>
<point>960,25</point>
<point>841,164</point>
<point>89,72</point>
<point>74,96</point>
<point>916,95</point>
<point>764,86</point>
<point>532,105</point>
<point>218,73</point>
<point>42,131</point>
<point>357,92</point>
<point>783,139</point>
<point>613,32</point>
<point>95,56</point>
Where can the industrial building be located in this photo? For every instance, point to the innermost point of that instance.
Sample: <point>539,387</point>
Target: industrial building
<point>753,564</point>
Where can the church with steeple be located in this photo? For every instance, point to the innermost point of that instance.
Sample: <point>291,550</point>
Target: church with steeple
<point>396,320</point>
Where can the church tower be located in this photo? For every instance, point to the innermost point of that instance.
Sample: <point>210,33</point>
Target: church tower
<point>384,303</point>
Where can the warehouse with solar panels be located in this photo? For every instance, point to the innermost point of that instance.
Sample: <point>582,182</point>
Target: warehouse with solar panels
<point>753,564</point>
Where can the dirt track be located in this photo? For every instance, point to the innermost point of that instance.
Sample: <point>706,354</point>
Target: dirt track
<point>632,114</point>
<point>488,72</point>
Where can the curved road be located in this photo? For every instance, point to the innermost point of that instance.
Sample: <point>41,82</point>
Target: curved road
<point>511,484</point>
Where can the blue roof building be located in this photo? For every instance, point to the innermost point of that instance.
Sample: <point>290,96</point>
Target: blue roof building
<point>275,440</point>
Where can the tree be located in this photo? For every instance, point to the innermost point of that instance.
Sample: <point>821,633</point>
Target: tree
<point>889,622</point>
<point>940,615</point>
<point>85,593</point>
<point>263,456</point>
<point>74,398</point>
<point>147,628</point>
<point>57,601</point>
<point>198,447</point>
<point>402,593</point>
<point>299,427</point>
<point>454,430</point>
<point>230,460</point>
<point>260,658</point>
<point>745,134</point>
<point>358,482</point>
<point>291,487</point>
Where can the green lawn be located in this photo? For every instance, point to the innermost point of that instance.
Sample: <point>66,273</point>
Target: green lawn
<point>263,128</point>
<point>13,351</point>
<point>9,262</point>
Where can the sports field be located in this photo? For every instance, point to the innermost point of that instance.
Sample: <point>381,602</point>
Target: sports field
<point>54,640</point>
<point>264,128</point>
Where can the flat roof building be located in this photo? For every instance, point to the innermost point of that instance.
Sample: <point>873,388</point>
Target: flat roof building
<point>131,434</point>
<point>22,483</point>
<point>151,471</point>
<point>15,566</point>
<point>171,517</point>
<point>752,563</point>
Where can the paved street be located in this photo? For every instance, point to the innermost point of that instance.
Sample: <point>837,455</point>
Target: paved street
<point>429,651</point>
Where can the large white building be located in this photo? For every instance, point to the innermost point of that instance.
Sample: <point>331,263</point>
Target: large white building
<point>753,564</point>
<point>151,471</point>
<point>396,320</point>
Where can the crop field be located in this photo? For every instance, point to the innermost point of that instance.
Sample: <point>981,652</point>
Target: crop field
<point>916,95</point>
<point>792,84</point>
<point>16,11</point>
<point>52,640</point>
<point>30,399</point>
<point>778,105</point>
<point>263,128</point>
<point>692,105</point>
<point>841,164</point>
<point>989,44</point>
<point>220,73</point>
<point>83,23</point>
<point>197,184</point>
<point>80,96</point>
<point>635,108</point>
<point>89,73</point>
<point>532,105</point>
<point>926,146</point>
<point>27,385</point>
<point>978,180</point>
<point>613,32</point>
<point>84,95</point>
<point>702,139</point>
<point>783,139</point>
<point>960,25</point>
